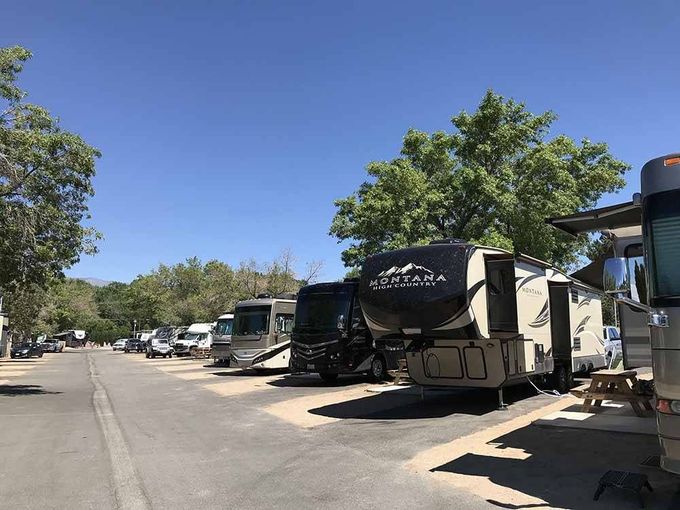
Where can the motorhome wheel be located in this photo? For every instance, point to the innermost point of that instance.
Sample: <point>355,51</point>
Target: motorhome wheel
<point>378,371</point>
<point>328,377</point>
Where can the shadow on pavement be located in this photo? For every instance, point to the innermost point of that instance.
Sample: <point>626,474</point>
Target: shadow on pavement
<point>562,467</point>
<point>437,403</point>
<point>15,390</point>
<point>314,381</point>
<point>236,372</point>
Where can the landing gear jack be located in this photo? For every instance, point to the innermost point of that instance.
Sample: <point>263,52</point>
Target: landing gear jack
<point>502,406</point>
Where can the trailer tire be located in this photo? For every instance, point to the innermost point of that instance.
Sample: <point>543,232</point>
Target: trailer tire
<point>328,377</point>
<point>563,379</point>
<point>378,371</point>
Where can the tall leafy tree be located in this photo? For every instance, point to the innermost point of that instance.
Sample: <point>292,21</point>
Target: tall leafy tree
<point>492,181</point>
<point>45,181</point>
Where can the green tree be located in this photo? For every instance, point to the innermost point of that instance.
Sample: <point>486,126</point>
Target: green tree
<point>45,181</point>
<point>492,181</point>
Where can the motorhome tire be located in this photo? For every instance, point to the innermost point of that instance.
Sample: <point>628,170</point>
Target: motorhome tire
<point>328,377</point>
<point>378,369</point>
<point>170,355</point>
<point>192,352</point>
<point>562,379</point>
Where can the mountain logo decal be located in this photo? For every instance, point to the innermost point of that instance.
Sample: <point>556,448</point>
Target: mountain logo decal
<point>410,275</point>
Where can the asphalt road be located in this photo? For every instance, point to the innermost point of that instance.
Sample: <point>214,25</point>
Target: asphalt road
<point>98,429</point>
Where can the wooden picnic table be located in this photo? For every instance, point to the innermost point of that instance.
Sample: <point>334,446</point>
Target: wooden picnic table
<point>613,385</point>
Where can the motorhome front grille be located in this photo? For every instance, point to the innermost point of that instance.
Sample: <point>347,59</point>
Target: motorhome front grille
<point>309,352</point>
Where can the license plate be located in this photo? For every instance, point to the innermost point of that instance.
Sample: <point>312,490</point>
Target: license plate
<point>311,367</point>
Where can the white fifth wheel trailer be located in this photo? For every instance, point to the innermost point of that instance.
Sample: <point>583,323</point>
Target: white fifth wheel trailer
<point>474,316</point>
<point>260,336</point>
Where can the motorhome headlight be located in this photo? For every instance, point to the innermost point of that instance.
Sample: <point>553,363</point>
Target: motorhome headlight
<point>668,406</point>
<point>334,356</point>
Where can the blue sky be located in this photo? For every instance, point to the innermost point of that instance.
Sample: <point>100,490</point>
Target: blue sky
<point>228,128</point>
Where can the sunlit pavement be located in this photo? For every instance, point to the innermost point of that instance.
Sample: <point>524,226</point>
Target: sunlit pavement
<point>98,429</point>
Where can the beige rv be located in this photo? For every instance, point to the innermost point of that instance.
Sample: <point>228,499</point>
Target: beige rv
<point>474,316</point>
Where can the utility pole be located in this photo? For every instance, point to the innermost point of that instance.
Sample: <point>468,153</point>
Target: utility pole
<point>134,331</point>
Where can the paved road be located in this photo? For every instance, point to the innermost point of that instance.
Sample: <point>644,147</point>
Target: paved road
<point>107,430</point>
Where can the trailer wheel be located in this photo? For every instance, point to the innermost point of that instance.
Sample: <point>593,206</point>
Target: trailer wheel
<point>378,369</point>
<point>563,379</point>
<point>328,377</point>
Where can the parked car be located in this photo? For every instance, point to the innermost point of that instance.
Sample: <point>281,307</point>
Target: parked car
<point>120,344</point>
<point>51,345</point>
<point>612,343</point>
<point>158,347</point>
<point>134,345</point>
<point>26,350</point>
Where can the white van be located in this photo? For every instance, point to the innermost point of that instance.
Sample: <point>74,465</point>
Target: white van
<point>199,335</point>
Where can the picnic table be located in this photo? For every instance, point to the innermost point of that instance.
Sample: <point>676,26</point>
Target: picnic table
<point>613,385</point>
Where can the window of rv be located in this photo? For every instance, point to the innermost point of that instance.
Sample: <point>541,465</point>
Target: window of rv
<point>662,217</point>
<point>320,310</point>
<point>224,327</point>
<point>195,336</point>
<point>251,320</point>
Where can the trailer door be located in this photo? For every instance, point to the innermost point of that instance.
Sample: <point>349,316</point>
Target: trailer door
<point>559,320</point>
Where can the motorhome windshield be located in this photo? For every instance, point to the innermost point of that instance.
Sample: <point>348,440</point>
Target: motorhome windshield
<point>322,310</point>
<point>662,218</point>
<point>252,320</point>
<point>195,336</point>
<point>224,327</point>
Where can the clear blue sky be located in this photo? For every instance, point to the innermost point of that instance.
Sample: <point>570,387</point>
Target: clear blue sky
<point>228,128</point>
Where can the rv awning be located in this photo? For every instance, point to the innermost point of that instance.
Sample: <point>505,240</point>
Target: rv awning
<point>608,218</point>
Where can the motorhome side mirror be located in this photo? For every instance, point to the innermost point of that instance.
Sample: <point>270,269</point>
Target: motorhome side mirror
<point>341,322</point>
<point>615,277</point>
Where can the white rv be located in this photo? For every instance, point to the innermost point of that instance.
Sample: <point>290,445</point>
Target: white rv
<point>221,346</point>
<point>474,316</point>
<point>198,336</point>
<point>261,335</point>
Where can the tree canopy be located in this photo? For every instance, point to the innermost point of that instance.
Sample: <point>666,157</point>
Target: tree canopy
<point>181,294</point>
<point>45,181</point>
<point>492,181</point>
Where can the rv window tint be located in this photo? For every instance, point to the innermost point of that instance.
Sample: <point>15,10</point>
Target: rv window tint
<point>284,322</point>
<point>251,320</point>
<point>663,226</point>
<point>196,336</point>
<point>223,327</point>
<point>320,310</point>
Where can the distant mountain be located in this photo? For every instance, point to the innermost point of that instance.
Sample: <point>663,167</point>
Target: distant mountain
<point>96,282</point>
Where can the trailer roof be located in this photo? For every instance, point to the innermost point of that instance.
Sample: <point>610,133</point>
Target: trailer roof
<point>612,218</point>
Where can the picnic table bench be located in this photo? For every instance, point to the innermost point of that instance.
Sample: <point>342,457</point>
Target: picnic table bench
<point>613,385</point>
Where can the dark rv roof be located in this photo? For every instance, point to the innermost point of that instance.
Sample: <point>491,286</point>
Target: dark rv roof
<point>605,218</point>
<point>328,287</point>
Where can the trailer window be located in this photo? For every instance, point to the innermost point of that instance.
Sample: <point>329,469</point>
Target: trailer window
<point>663,228</point>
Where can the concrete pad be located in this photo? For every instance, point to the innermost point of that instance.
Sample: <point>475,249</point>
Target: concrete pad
<point>182,368</point>
<point>194,375</point>
<point>482,444</point>
<point>296,411</point>
<point>604,422</point>
<point>12,373</point>
<point>241,385</point>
